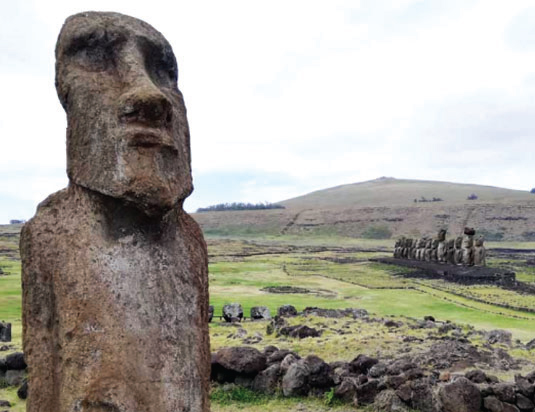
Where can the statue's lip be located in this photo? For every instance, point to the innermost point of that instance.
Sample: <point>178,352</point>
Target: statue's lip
<point>150,137</point>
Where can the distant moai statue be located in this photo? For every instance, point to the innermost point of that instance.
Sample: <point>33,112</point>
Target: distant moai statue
<point>450,251</point>
<point>458,252</point>
<point>421,248</point>
<point>434,250</point>
<point>414,248</point>
<point>114,272</point>
<point>441,248</point>
<point>397,248</point>
<point>428,250</point>
<point>480,253</point>
<point>467,247</point>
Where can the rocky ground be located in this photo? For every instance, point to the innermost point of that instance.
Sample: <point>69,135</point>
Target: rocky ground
<point>429,366</point>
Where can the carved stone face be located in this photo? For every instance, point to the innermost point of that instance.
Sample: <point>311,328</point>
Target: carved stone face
<point>479,241</point>
<point>442,235</point>
<point>458,242</point>
<point>127,134</point>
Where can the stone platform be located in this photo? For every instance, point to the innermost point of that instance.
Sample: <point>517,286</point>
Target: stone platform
<point>468,275</point>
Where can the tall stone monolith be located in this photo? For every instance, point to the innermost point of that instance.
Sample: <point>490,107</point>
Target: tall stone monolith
<point>115,288</point>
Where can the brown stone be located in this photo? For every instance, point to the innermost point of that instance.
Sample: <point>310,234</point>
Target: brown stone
<point>115,289</point>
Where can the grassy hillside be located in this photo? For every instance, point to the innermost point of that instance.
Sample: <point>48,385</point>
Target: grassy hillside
<point>384,209</point>
<point>389,192</point>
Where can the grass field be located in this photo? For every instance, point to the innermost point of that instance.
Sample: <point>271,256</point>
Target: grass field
<point>336,274</point>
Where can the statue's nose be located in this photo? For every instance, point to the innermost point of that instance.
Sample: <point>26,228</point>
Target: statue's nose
<point>143,103</point>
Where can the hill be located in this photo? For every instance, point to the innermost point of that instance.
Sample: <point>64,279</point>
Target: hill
<point>388,192</point>
<point>386,208</point>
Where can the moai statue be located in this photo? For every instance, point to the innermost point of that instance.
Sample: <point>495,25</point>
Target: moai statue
<point>421,248</point>
<point>441,248</point>
<point>414,248</point>
<point>396,248</point>
<point>450,252</point>
<point>467,246</point>
<point>114,272</point>
<point>434,250</point>
<point>408,245</point>
<point>458,253</point>
<point>480,254</point>
<point>428,250</point>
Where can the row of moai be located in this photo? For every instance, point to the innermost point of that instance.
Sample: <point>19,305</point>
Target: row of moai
<point>463,250</point>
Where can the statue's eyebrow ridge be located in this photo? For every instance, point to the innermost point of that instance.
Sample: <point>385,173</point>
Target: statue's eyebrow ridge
<point>93,37</point>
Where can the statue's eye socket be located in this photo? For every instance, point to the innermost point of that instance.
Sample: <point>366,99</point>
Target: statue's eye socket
<point>160,64</point>
<point>96,51</point>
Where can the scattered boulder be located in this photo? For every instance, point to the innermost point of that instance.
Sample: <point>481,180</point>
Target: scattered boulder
<point>15,361</point>
<point>476,376</point>
<point>287,310</point>
<point>363,363</point>
<point>347,391</point>
<point>22,392</point>
<point>505,392</point>
<point>210,313</point>
<point>260,312</point>
<point>5,332</point>
<point>299,331</point>
<point>320,373</point>
<point>524,386</point>
<point>288,360</point>
<point>460,396</point>
<point>367,391</point>
<point>335,313</point>
<point>499,336</point>
<point>14,377</point>
<point>241,359</point>
<point>267,381</point>
<point>232,312</point>
<point>388,401</point>
<point>5,404</point>
<point>524,403</point>
<point>295,380</point>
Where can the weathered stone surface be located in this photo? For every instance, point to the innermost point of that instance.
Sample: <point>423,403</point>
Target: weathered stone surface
<point>260,312</point>
<point>15,361</point>
<point>114,272</point>
<point>388,401</point>
<point>241,359</point>
<point>524,403</point>
<point>267,381</point>
<point>22,392</point>
<point>299,331</point>
<point>232,312</point>
<point>476,376</point>
<point>499,336</point>
<point>505,392</point>
<point>460,396</point>
<point>363,363</point>
<point>210,313</point>
<point>286,310</point>
<point>5,332</point>
<point>347,391</point>
<point>295,380</point>
<point>320,375</point>
<point>15,377</point>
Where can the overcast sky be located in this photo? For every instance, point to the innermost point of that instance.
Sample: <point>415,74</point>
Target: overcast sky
<point>286,97</point>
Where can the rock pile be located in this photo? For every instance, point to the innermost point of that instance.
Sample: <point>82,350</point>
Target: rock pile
<point>397,385</point>
<point>13,372</point>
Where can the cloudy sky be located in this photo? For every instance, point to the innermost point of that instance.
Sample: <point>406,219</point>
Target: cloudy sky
<point>286,97</point>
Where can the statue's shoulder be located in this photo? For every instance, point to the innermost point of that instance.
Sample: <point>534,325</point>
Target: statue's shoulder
<point>48,217</point>
<point>190,229</point>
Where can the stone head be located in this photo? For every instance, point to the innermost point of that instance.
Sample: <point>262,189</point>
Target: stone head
<point>442,235</point>
<point>435,243</point>
<point>458,242</point>
<point>127,131</point>
<point>451,243</point>
<point>479,241</point>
